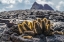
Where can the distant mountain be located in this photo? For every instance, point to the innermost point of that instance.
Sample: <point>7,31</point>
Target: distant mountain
<point>36,6</point>
<point>47,7</point>
<point>39,6</point>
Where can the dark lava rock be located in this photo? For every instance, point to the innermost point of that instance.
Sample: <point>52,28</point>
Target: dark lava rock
<point>57,29</point>
<point>19,38</point>
<point>55,38</point>
<point>63,30</point>
<point>5,37</point>
<point>15,38</point>
<point>10,24</point>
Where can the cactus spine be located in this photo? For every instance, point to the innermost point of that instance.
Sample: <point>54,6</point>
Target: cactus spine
<point>45,20</point>
<point>20,28</point>
<point>39,20</point>
<point>30,25</point>
<point>37,28</point>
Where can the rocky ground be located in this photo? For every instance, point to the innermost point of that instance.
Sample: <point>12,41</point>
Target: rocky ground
<point>12,35</point>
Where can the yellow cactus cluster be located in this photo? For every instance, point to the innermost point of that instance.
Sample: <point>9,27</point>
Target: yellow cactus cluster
<point>38,26</point>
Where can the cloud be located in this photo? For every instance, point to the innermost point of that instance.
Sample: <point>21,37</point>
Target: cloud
<point>61,2</point>
<point>10,6</point>
<point>20,1</point>
<point>10,1</point>
<point>27,2</point>
<point>60,5</point>
<point>44,2</point>
<point>2,9</point>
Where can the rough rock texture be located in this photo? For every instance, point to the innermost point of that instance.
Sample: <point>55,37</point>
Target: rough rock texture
<point>55,38</point>
<point>12,35</point>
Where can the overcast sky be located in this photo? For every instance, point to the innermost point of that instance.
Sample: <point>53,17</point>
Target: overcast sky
<point>7,5</point>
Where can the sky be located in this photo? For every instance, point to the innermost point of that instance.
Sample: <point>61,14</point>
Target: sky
<point>7,5</point>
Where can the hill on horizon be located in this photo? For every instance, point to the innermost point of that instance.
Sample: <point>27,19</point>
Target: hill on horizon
<point>39,6</point>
